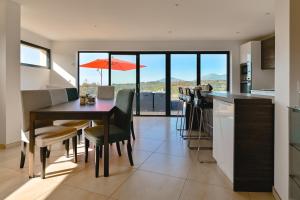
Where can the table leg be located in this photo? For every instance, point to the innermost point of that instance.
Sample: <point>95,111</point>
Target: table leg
<point>31,148</point>
<point>106,146</point>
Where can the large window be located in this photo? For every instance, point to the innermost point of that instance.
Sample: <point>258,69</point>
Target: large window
<point>34,56</point>
<point>155,76</point>
<point>93,70</point>
<point>214,70</point>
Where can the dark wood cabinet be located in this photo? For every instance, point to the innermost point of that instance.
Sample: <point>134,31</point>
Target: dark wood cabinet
<point>268,53</point>
<point>243,140</point>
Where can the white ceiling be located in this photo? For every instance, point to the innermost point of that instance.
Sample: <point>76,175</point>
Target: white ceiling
<point>149,20</point>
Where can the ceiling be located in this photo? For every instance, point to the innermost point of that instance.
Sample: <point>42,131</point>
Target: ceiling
<point>148,20</point>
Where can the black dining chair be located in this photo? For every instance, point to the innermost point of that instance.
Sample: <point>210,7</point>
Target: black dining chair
<point>119,129</point>
<point>72,94</point>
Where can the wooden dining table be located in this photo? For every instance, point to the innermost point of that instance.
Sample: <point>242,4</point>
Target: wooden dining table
<point>101,110</point>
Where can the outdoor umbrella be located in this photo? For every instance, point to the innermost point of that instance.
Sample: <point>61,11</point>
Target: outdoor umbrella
<point>116,64</point>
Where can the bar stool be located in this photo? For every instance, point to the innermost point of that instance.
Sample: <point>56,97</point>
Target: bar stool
<point>182,100</point>
<point>189,102</point>
<point>200,111</point>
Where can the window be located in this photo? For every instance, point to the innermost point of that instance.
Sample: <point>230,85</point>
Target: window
<point>34,56</point>
<point>214,70</point>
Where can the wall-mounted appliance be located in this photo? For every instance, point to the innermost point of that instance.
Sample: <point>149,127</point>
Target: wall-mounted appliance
<point>246,77</point>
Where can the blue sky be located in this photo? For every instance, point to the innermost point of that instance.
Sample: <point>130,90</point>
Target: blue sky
<point>183,66</point>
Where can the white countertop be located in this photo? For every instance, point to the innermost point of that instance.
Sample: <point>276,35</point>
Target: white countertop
<point>263,92</point>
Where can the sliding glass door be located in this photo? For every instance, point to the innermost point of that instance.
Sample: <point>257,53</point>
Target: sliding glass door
<point>155,76</point>
<point>214,70</point>
<point>183,74</point>
<point>124,73</point>
<point>153,84</point>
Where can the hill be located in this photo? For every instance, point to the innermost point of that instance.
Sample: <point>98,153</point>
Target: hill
<point>214,77</point>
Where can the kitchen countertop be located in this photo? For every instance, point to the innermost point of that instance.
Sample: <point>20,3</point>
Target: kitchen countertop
<point>234,97</point>
<point>265,92</point>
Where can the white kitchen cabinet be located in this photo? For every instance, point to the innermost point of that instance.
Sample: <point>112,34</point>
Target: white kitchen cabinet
<point>223,140</point>
<point>245,53</point>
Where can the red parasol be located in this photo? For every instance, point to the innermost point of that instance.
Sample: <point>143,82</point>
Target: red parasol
<point>116,64</point>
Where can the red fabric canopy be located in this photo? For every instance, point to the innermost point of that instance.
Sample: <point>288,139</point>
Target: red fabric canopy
<point>116,64</point>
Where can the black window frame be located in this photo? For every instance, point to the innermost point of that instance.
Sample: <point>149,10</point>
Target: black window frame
<point>48,52</point>
<point>167,68</point>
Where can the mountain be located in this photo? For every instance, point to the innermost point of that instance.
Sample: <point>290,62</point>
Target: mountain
<point>211,77</point>
<point>214,77</point>
<point>173,79</point>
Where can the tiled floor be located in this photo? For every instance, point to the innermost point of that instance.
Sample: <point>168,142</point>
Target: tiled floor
<point>164,169</point>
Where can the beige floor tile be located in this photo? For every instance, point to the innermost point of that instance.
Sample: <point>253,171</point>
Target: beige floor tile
<point>9,153</point>
<point>153,129</point>
<point>36,187</point>
<point>55,165</point>
<point>204,156</point>
<point>163,163</point>
<point>261,196</point>
<point>152,134</point>
<point>139,157</point>
<point>13,162</point>
<point>149,186</point>
<point>169,165</point>
<point>71,193</point>
<point>197,191</point>
<point>10,181</point>
<point>85,179</point>
<point>146,144</point>
<point>174,147</point>
<point>209,174</point>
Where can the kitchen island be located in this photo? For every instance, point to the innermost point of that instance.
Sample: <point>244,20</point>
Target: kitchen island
<point>243,140</point>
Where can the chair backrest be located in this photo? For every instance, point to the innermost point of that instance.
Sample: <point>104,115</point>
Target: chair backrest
<point>33,100</point>
<point>58,96</point>
<point>106,92</point>
<point>180,90</point>
<point>123,113</point>
<point>72,94</point>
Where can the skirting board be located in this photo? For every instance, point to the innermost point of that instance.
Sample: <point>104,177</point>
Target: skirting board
<point>4,146</point>
<point>275,194</point>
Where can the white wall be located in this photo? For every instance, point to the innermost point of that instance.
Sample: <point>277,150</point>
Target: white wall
<point>262,79</point>
<point>2,71</point>
<point>10,124</point>
<point>282,94</point>
<point>34,78</point>
<point>65,54</point>
<point>287,73</point>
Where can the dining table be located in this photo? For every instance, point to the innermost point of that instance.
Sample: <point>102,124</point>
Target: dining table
<point>73,110</point>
